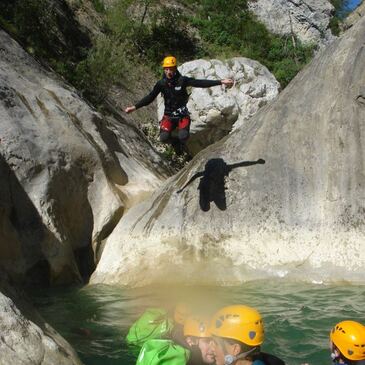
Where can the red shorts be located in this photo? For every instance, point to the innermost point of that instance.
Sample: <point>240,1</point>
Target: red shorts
<point>168,125</point>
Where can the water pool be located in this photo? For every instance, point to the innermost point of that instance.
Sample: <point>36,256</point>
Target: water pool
<point>297,316</point>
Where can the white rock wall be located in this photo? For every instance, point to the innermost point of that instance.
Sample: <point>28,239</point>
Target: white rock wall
<point>68,173</point>
<point>299,215</point>
<point>308,20</point>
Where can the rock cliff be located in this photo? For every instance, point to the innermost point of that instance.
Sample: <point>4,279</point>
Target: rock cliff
<point>308,20</point>
<point>25,338</point>
<point>300,214</point>
<point>67,172</point>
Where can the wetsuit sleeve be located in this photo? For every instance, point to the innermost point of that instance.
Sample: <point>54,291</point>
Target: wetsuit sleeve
<point>202,83</point>
<point>148,99</point>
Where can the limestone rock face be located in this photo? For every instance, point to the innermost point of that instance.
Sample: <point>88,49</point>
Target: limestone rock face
<point>67,172</point>
<point>216,111</point>
<point>23,342</point>
<point>300,215</point>
<point>308,20</point>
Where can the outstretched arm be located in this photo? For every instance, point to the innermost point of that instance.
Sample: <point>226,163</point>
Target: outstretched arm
<point>148,99</point>
<point>208,83</point>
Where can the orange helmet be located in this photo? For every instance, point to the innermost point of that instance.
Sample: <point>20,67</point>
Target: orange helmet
<point>181,312</point>
<point>169,61</point>
<point>197,327</point>
<point>238,322</point>
<point>349,338</point>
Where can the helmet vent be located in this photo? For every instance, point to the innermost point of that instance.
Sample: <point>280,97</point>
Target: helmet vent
<point>252,334</point>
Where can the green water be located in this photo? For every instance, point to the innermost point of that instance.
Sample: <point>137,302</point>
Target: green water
<point>297,316</point>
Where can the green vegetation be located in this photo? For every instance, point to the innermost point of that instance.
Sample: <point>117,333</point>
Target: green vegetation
<point>230,29</point>
<point>98,5</point>
<point>103,67</point>
<point>151,33</point>
<point>142,32</point>
<point>225,31</point>
<point>47,30</point>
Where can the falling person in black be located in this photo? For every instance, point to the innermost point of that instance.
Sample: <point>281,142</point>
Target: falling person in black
<point>173,87</point>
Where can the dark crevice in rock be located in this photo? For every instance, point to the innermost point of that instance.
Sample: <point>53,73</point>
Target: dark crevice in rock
<point>361,100</point>
<point>84,257</point>
<point>38,275</point>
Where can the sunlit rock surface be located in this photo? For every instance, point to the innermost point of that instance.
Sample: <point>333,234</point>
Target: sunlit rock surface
<point>67,173</point>
<point>215,111</point>
<point>299,215</point>
<point>308,20</point>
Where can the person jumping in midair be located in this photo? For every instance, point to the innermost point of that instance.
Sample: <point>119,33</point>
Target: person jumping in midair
<point>176,115</point>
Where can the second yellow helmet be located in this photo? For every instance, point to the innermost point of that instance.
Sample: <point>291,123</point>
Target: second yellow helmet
<point>349,338</point>
<point>238,322</point>
<point>197,327</point>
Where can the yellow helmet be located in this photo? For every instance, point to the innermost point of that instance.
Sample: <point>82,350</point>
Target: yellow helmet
<point>169,61</point>
<point>349,338</point>
<point>238,322</point>
<point>181,312</point>
<point>197,327</point>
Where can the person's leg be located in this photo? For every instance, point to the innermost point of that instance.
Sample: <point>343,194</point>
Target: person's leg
<point>165,129</point>
<point>183,133</point>
<point>183,129</point>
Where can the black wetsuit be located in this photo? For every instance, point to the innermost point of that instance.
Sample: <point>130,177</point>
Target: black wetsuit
<point>176,114</point>
<point>174,91</point>
<point>268,359</point>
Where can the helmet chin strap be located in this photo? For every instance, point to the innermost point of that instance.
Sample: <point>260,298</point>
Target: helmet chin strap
<point>231,359</point>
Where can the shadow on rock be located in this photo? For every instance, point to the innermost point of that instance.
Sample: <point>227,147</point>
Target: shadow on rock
<point>212,183</point>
